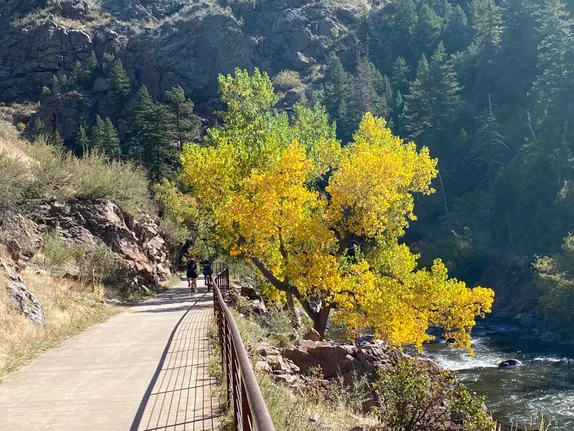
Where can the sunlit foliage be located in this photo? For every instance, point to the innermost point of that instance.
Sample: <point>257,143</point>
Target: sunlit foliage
<point>322,223</point>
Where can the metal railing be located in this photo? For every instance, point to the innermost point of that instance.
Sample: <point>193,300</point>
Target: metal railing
<point>243,393</point>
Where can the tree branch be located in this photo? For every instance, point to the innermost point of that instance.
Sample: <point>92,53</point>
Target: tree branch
<point>278,284</point>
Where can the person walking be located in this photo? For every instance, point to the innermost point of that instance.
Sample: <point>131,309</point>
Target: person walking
<point>207,273</point>
<point>192,275</point>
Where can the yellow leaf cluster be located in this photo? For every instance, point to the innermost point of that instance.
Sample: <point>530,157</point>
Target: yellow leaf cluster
<point>372,190</point>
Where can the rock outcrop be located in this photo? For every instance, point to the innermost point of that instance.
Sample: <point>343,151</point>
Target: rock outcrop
<point>135,244</point>
<point>342,359</point>
<point>23,300</point>
<point>31,55</point>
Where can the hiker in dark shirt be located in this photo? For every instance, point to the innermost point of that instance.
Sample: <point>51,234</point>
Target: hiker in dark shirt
<point>192,275</point>
<point>207,273</point>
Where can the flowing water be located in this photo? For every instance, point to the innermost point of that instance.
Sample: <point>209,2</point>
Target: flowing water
<point>541,385</point>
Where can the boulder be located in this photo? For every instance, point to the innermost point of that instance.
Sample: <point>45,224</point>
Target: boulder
<point>334,359</point>
<point>73,9</point>
<point>265,349</point>
<point>100,85</point>
<point>262,367</point>
<point>258,307</point>
<point>527,320</point>
<point>25,237</point>
<point>510,363</point>
<point>550,337</point>
<point>312,335</point>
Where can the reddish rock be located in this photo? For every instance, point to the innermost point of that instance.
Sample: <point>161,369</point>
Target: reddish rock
<point>312,335</point>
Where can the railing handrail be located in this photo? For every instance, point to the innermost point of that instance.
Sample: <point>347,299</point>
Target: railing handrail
<point>257,417</point>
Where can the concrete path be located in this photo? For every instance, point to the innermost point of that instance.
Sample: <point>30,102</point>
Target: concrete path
<point>144,369</point>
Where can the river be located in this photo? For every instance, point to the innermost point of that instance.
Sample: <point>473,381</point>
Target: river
<point>541,385</point>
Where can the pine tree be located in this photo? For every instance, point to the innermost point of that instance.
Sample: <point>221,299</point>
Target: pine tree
<point>83,77</point>
<point>488,146</point>
<point>486,19</point>
<point>403,31</point>
<point>112,142</point>
<point>98,137</point>
<point>76,76</point>
<point>55,139</point>
<point>187,124</point>
<point>553,90</point>
<point>152,138</point>
<point>119,85</point>
<point>336,88</point>
<point>367,90</point>
<point>518,49</point>
<point>46,93</point>
<point>456,33</point>
<point>418,103</point>
<point>428,30</point>
<point>37,129</point>
<point>139,123</point>
<point>401,76</point>
<point>434,100</point>
<point>387,92</point>
<point>55,88</point>
<point>82,140</point>
<point>92,64</point>
<point>161,153</point>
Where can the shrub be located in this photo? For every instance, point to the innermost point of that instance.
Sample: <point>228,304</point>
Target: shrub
<point>58,257</point>
<point>94,177</point>
<point>352,392</point>
<point>174,233</point>
<point>95,260</point>
<point>55,175</point>
<point>13,178</point>
<point>415,397</point>
<point>555,283</point>
<point>286,80</point>
<point>278,321</point>
<point>98,259</point>
<point>49,178</point>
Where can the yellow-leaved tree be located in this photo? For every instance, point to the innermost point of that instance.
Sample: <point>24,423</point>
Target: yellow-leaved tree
<point>322,222</point>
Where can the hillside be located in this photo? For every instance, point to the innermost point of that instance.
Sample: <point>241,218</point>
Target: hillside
<point>165,44</point>
<point>68,252</point>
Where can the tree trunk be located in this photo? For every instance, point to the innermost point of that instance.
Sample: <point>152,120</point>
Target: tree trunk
<point>295,320</point>
<point>320,320</point>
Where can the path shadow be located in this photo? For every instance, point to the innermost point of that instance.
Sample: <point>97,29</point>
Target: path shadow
<point>197,303</point>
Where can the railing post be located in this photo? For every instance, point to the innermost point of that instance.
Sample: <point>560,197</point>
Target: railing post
<point>245,410</point>
<point>228,365</point>
<point>235,391</point>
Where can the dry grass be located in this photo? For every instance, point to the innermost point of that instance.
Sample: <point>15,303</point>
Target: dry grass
<point>69,307</point>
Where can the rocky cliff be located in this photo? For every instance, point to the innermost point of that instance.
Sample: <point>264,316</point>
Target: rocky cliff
<point>166,44</point>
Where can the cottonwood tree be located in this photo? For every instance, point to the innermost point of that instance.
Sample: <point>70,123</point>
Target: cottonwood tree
<point>333,244</point>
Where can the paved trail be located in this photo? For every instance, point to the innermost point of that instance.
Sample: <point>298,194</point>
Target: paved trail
<point>144,369</point>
